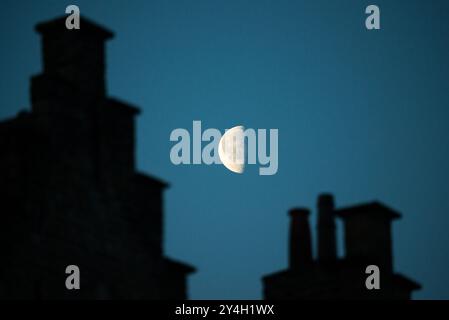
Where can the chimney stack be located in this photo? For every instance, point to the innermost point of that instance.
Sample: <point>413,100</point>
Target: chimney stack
<point>368,233</point>
<point>300,249</point>
<point>73,61</point>
<point>327,250</point>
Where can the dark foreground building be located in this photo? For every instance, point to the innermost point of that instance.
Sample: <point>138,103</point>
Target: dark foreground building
<point>70,193</point>
<point>367,242</point>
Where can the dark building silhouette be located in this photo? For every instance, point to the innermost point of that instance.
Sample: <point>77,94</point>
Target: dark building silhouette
<point>70,193</point>
<point>367,241</point>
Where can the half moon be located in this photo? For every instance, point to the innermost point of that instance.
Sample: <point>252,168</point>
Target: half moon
<point>231,149</point>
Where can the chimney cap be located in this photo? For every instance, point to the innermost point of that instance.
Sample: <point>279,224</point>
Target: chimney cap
<point>326,199</point>
<point>87,28</point>
<point>299,212</point>
<point>373,209</point>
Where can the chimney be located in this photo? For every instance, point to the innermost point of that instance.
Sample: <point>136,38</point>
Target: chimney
<point>73,61</point>
<point>327,250</point>
<point>89,130</point>
<point>368,233</point>
<point>300,250</point>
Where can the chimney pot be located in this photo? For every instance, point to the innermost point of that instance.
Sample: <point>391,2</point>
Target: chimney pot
<point>327,249</point>
<point>300,250</point>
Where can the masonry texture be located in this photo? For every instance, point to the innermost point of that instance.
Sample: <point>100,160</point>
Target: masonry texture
<point>367,241</point>
<point>69,186</point>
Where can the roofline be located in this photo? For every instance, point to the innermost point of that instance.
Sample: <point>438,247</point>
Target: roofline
<point>407,282</point>
<point>152,179</point>
<point>181,265</point>
<point>124,105</point>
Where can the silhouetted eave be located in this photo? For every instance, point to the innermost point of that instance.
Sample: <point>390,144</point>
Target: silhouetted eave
<point>151,180</point>
<point>121,105</point>
<point>406,283</point>
<point>179,266</point>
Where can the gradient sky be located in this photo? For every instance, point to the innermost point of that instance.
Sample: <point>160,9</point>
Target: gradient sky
<point>362,114</point>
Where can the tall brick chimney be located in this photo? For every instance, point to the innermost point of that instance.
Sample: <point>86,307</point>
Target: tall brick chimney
<point>73,73</point>
<point>300,248</point>
<point>75,56</point>
<point>70,96</point>
<point>327,250</point>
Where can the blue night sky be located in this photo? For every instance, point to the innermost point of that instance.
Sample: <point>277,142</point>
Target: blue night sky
<point>362,114</point>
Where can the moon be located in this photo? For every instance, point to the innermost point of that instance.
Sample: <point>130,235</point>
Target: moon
<point>231,149</point>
